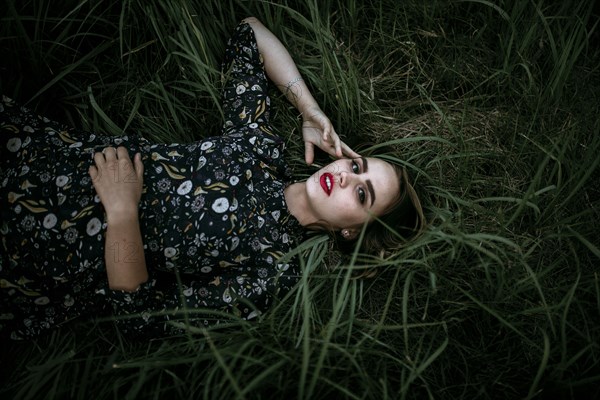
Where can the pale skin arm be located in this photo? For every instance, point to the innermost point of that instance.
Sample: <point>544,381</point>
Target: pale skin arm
<point>118,182</point>
<point>317,129</point>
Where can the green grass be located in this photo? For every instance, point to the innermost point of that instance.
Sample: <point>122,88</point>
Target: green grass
<point>492,105</point>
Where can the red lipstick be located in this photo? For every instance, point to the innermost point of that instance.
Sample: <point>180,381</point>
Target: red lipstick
<point>326,181</point>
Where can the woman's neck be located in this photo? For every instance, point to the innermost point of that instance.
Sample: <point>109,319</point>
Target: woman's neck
<point>295,198</point>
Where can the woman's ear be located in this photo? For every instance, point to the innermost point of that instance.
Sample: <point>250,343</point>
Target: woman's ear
<point>349,234</point>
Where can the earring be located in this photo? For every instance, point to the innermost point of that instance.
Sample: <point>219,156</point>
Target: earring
<point>345,233</point>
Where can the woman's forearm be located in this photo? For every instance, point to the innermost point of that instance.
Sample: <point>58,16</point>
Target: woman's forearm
<point>119,184</point>
<point>280,67</point>
<point>124,253</point>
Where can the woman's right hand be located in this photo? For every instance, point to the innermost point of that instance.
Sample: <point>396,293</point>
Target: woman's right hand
<point>317,130</point>
<point>118,181</point>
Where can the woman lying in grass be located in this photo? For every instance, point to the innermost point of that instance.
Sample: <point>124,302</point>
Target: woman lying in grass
<point>193,226</point>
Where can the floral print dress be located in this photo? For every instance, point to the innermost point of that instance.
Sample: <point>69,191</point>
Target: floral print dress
<point>213,217</point>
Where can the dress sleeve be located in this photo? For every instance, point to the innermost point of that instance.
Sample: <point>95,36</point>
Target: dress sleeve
<point>165,305</point>
<point>245,83</point>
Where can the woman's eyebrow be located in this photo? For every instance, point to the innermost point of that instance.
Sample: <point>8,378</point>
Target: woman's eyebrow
<point>371,191</point>
<point>365,164</point>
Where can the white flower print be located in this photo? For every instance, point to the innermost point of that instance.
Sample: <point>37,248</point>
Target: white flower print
<point>226,296</point>
<point>14,144</point>
<point>259,286</point>
<point>188,292</point>
<point>253,125</point>
<point>184,188</point>
<point>153,245</point>
<point>262,272</point>
<point>71,235</point>
<point>85,181</point>
<point>240,89</point>
<point>201,162</point>
<point>170,252</point>
<point>206,145</point>
<point>220,205</point>
<point>93,226</point>
<point>50,221</point>
<point>62,180</point>
<point>219,175</point>
<point>206,270</point>
<point>283,267</point>
<point>201,239</point>
<point>44,235</point>
<point>235,241</point>
<point>69,301</point>
<point>203,292</point>
<point>24,170</point>
<point>42,301</point>
<point>253,314</point>
<point>28,129</point>
<point>84,201</point>
<point>197,204</point>
<point>234,180</point>
<point>28,222</point>
<point>44,177</point>
<point>163,185</point>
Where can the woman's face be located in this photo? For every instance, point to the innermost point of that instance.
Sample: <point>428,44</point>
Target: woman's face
<point>349,192</point>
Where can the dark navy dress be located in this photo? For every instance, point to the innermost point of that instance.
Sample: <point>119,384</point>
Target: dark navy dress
<point>214,220</point>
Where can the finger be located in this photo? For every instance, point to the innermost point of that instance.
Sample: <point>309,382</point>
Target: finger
<point>337,145</point>
<point>326,133</point>
<point>309,153</point>
<point>139,165</point>
<point>93,172</point>
<point>110,153</point>
<point>121,152</point>
<point>99,158</point>
<point>348,151</point>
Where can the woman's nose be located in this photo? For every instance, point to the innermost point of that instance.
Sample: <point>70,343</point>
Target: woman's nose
<point>344,178</point>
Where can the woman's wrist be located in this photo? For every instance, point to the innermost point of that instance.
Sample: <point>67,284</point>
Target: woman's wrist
<point>122,215</point>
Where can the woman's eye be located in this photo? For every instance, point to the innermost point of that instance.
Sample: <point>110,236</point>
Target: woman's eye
<point>361,195</point>
<point>355,167</point>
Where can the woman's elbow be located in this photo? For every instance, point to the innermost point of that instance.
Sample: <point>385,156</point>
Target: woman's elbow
<point>251,20</point>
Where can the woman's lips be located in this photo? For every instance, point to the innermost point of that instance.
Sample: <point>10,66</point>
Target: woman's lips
<point>327,182</point>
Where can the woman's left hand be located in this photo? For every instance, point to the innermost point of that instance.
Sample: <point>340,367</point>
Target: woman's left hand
<point>317,130</point>
<point>118,181</point>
